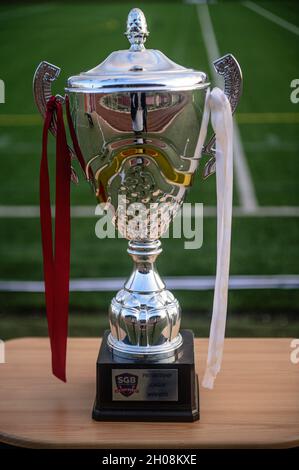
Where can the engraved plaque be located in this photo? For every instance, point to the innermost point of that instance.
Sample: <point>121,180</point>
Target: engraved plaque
<point>145,384</point>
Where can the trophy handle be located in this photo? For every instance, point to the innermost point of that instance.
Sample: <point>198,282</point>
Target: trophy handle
<point>229,68</point>
<point>44,75</point>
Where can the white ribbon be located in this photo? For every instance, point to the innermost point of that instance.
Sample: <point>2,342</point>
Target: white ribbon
<point>221,118</point>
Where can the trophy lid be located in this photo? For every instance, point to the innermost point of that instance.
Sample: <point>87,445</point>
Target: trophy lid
<point>137,69</point>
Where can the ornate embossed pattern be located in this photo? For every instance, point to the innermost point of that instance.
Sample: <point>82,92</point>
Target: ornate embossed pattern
<point>139,192</point>
<point>228,67</point>
<point>142,182</point>
<point>45,74</point>
<point>138,185</point>
<point>152,223</point>
<point>137,31</point>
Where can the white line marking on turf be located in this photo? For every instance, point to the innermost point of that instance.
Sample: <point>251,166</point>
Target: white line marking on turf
<point>272,17</point>
<point>244,183</point>
<point>32,212</point>
<point>209,39</point>
<point>260,211</point>
<point>278,281</point>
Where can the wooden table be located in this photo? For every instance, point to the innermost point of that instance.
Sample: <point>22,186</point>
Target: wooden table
<point>255,402</point>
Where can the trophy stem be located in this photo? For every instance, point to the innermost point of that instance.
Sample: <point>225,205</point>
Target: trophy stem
<point>144,278</point>
<point>144,316</point>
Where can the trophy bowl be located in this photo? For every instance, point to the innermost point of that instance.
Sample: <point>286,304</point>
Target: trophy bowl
<point>137,118</point>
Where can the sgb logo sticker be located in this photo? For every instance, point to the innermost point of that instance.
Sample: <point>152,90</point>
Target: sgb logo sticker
<point>126,384</point>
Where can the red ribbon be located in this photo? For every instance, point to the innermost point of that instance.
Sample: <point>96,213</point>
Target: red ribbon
<point>57,262</point>
<point>73,135</point>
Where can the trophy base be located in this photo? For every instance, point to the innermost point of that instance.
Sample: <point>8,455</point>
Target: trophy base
<point>147,391</point>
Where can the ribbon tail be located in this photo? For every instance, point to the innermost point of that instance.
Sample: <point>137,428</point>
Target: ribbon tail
<point>221,118</point>
<point>46,226</point>
<point>57,265</point>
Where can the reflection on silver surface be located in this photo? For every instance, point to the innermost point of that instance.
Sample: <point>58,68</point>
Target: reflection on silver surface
<point>139,145</point>
<point>144,313</point>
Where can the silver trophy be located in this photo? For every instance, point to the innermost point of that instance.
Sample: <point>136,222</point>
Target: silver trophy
<point>137,118</point>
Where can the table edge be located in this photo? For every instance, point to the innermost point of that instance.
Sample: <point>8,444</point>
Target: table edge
<point>36,444</point>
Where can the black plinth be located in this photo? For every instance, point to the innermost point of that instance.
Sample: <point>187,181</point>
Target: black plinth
<point>143,391</point>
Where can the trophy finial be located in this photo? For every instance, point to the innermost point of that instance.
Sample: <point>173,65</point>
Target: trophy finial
<point>137,31</point>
